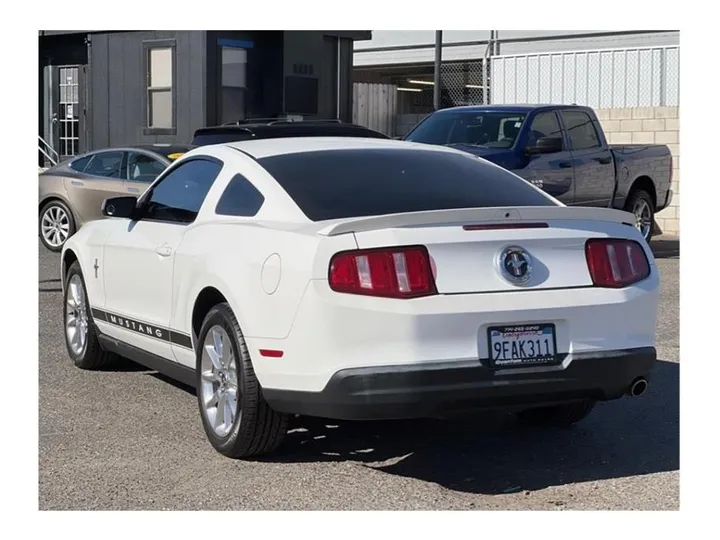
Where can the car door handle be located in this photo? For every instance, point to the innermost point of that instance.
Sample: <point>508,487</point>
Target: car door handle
<point>77,183</point>
<point>133,190</point>
<point>564,164</point>
<point>163,251</point>
<point>603,160</point>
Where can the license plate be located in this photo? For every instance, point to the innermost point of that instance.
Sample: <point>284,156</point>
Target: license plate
<point>522,345</point>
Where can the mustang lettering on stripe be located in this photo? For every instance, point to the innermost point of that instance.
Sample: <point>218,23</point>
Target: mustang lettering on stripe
<point>140,327</point>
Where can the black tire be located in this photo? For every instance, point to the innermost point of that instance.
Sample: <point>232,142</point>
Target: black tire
<point>563,415</point>
<point>71,223</point>
<point>92,357</point>
<point>632,200</point>
<point>257,428</point>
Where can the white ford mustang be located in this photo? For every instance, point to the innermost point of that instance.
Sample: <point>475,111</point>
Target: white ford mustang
<point>361,279</point>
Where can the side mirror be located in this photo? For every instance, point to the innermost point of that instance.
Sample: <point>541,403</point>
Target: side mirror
<point>546,145</point>
<point>119,207</point>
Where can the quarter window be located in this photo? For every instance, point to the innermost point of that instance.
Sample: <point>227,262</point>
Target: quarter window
<point>80,163</point>
<point>240,198</point>
<point>581,130</point>
<point>179,196</point>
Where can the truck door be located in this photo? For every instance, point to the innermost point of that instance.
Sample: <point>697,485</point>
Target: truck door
<point>592,160</point>
<point>551,172</point>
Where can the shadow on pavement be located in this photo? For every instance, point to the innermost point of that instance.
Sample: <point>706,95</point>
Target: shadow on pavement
<point>665,248</point>
<point>490,454</point>
<point>47,288</point>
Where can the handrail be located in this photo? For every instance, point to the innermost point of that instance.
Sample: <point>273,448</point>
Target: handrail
<point>51,151</point>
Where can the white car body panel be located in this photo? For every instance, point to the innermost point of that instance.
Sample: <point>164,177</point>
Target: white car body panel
<point>273,271</point>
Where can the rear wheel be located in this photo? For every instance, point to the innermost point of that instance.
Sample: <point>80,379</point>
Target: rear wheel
<point>237,420</point>
<point>563,415</point>
<point>640,203</point>
<point>56,225</point>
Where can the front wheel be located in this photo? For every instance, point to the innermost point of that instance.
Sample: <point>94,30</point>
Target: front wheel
<point>81,337</point>
<point>237,420</point>
<point>641,205</point>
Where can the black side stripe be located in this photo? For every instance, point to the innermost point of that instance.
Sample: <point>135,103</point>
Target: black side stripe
<point>143,328</point>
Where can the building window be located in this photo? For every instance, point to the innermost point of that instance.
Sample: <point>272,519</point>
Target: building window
<point>160,88</point>
<point>233,83</point>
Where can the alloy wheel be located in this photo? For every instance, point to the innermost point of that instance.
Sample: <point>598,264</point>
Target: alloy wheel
<point>76,317</point>
<point>55,226</point>
<point>219,381</point>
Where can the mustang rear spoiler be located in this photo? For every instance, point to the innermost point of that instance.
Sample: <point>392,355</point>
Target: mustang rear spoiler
<point>469,216</point>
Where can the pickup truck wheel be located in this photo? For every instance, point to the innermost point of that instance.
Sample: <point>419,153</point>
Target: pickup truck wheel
<point>80,334</point>
<point>563,415</point>
<point>237,420</point>
<point>56,225</point>
<point>641,205</point>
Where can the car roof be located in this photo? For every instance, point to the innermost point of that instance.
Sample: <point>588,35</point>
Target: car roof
<point>263,148</point>
<point>164,150</point>
<point>514,107</point>
<point>278,129</point>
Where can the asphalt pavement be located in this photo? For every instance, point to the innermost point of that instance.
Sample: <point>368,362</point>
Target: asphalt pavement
<point>131,439</point>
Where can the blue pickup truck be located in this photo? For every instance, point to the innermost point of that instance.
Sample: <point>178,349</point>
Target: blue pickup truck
<point>562,150</point>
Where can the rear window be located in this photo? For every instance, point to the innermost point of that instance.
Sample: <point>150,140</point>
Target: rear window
<point>337,184</point>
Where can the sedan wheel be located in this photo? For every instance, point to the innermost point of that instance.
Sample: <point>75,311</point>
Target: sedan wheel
<point>56,225</point>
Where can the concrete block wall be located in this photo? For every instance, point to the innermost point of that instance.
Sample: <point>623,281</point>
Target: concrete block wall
<point>650,125</point>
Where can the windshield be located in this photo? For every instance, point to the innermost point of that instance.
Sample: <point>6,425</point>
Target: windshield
<point>488,129</point>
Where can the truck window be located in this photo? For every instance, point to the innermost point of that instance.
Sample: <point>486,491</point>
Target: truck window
<point>544,125</point>
<point>581,130</point>
<point>492,129</point>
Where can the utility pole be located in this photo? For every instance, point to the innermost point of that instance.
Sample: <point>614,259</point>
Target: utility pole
<point>438,58</point>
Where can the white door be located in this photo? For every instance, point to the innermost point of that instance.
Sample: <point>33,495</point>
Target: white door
<point>138,264</point>
<point>139,257</point>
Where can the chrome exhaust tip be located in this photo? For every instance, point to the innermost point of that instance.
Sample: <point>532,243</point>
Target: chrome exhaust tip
<point>638,387</point>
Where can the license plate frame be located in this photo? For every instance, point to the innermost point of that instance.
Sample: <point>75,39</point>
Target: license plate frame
<point>525,360</point>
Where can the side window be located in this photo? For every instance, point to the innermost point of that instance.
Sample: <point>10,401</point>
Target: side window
<point>180,195</point>
<point>107,164</point>
<point>240,198</point>
<point>80,163</point>
<point>143,168</point>
<point>580,130</point>
<point>544,125</point>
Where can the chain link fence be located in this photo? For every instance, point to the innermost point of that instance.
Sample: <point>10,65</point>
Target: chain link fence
<point>464,83</point>
<point>603,79</point>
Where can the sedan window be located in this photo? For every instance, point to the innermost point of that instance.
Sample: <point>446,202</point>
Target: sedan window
<point>106,164</point>
<point>143,168</point>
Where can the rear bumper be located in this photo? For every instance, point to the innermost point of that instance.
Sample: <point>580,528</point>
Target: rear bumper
<point>434,389</point>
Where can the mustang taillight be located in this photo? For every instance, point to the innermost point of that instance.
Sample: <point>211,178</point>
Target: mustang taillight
<point>403,272</point>
<point>616,263</point>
